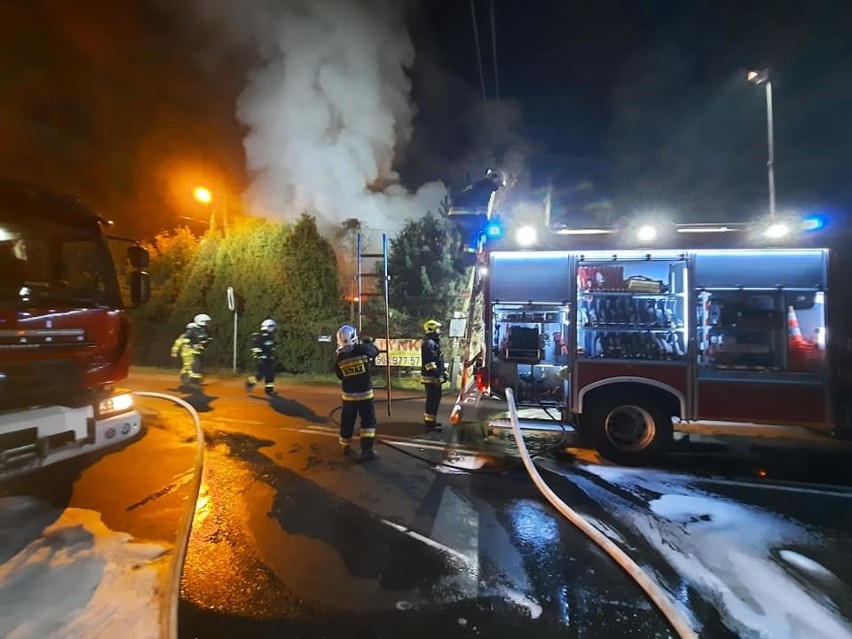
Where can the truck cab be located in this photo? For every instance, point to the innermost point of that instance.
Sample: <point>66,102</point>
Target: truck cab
<point>63,330</point>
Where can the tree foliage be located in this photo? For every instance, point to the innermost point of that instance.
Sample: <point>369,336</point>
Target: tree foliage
<point>427,273</point>
<point>285,273</point>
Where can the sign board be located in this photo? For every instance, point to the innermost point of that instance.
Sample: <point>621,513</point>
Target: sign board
<point>457,327</point>
<point>324,338</point>
<point>404,353</point>
<point>232,302</point>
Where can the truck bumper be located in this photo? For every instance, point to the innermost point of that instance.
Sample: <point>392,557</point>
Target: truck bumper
<point>38,437</point>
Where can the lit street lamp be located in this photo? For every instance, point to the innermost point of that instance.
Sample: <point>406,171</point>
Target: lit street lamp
<point>204,196</point>
<point>758,78</point>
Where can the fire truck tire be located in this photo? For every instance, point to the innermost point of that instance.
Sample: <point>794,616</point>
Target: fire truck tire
<point>630,431</point>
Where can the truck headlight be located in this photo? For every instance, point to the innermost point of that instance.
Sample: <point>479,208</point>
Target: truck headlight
<point>114,405</point>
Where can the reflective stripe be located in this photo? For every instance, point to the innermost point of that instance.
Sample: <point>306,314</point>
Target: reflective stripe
<point>356,397</point>
<point>368,432</point>
<point>430,366</point>
<point>430,380</point>
<point>428,418</point>
<point>343,441</point>
<point>269,385</point>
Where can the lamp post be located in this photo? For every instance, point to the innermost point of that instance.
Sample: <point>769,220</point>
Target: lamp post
<point>204,196</point>
<point>758,78</point>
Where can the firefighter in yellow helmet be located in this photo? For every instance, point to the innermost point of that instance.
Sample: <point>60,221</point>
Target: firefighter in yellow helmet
<point>432,372</point>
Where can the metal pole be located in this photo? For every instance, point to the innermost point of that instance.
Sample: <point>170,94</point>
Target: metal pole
<point>359,282</point>
<point>770,164</point>
<point>235,340</point>
<point>387,319</point>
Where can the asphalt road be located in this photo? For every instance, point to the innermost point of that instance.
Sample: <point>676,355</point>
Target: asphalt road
<point>292,539</point>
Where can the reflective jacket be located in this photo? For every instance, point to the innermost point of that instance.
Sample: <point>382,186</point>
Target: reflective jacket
<point>353,370</point>
<point>431,360</point>
<point>197,337</point>
<point>263,346</point>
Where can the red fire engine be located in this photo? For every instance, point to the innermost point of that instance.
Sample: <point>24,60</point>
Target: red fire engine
<point>63,331</point>
<point>625,334</point>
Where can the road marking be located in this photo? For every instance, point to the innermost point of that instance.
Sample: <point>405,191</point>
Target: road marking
<point>829,489</point>
<point>228,420</point>
<point>429,542</point>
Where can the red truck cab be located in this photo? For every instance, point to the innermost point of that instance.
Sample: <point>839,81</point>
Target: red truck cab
<point>63,330</point>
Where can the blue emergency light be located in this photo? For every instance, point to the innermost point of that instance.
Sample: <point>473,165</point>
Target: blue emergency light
<point>493,230</point>
<point>813,223</point>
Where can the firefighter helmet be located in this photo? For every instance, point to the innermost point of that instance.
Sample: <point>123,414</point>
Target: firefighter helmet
<point>191,325</point>
<point>346,336</point>
<point>431,326</point>
<point>268,325</point>
<point>202,319</point>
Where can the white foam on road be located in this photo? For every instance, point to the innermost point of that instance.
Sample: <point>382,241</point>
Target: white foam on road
<point>727,551</point>
<point>76,578</point>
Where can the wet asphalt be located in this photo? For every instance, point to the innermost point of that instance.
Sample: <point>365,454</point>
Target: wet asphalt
<point>290,538</point>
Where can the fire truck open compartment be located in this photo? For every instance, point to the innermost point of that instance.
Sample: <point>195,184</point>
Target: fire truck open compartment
<point>722,334</point>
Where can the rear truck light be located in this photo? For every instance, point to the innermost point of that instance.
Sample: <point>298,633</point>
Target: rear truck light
<point>115,405</point>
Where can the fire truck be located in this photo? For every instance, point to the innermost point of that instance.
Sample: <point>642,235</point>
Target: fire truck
<point>628,331</point>
<point>63,330</point>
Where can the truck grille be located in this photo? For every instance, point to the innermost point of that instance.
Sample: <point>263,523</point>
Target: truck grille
<point>39,383</point>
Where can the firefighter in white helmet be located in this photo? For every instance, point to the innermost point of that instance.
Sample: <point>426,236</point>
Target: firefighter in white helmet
<point>352,367</point>
<point>189,346</point>
<point>432,372</point>
<point>263,354</point>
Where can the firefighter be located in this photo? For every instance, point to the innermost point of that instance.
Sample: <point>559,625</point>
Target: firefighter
<point>197,338</point>
<point>353,369</point>
<point>432,372</point>
<point>263,353</point>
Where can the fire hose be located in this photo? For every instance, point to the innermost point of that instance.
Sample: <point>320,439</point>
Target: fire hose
<point>185,526</point>
<point>679,622</point>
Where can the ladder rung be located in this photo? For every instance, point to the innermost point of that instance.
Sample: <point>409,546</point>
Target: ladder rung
<point>375,255</point>
<point>371,275</point>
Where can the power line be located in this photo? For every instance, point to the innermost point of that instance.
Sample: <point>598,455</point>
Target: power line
<point>478,51</point>
<point>494,54</point>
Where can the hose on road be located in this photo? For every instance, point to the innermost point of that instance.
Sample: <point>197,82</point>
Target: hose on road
<point>679,622</point>
<point>562,443</point>
<point>185,527</point>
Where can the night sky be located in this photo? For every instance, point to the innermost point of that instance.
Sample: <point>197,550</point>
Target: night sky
<point>645,103</point>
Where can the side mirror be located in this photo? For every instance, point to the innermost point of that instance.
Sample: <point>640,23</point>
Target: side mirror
<point>140,286</point>
<point>138,257</point>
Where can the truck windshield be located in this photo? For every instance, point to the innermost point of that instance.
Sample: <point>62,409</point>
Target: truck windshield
<point>47,264</point>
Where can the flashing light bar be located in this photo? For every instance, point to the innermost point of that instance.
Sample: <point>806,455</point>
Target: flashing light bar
<point>584,231</point>
<point>707,229</point>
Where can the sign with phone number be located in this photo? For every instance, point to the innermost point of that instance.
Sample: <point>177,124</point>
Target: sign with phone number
<point>404,353</point>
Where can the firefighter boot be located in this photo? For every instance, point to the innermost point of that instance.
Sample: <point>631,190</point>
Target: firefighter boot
<point>269,389</point>
<point>367,452</point>
<point>251,382</point>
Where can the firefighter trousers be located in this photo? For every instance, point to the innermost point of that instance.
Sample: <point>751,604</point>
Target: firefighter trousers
<point>190,371</point>
<point>349,414</point>
<point>265,371</point>
<point>433,402</point>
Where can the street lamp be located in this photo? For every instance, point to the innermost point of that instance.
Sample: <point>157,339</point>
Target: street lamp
<point>204,196</point>
<point>762,77</point>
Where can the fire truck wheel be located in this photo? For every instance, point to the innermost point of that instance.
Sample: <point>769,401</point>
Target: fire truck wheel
<point>629,431</point>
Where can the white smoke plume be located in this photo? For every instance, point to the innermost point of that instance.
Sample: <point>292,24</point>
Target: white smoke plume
<point>327,109</point>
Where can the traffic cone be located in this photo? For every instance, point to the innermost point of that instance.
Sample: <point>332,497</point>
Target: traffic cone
<point>794,333</point>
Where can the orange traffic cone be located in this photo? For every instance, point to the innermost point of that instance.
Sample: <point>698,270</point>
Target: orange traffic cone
<point>794,333</point>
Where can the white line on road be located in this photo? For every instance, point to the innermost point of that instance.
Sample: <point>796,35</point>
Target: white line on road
<point>819,489</point>
<point>426,540</point>
<point>228,420</point>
